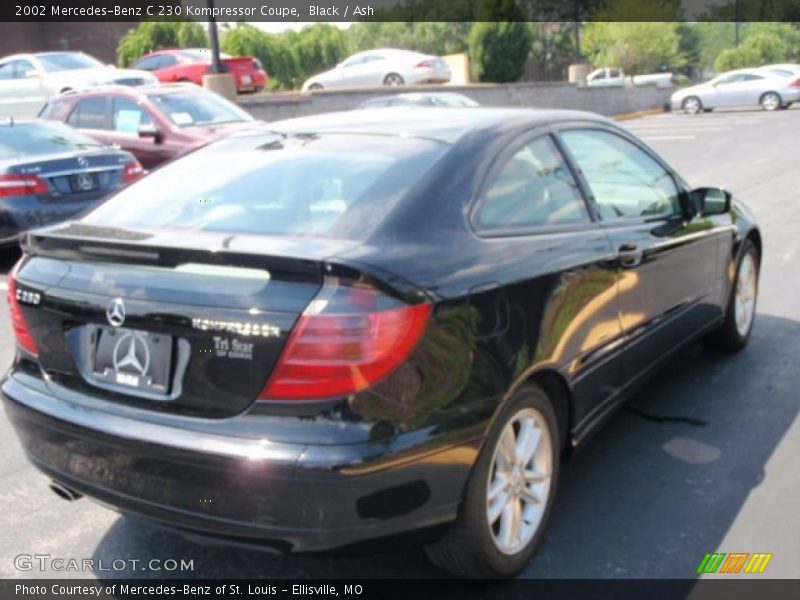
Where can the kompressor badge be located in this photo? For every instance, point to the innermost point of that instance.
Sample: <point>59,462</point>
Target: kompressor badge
<point>245,328</point>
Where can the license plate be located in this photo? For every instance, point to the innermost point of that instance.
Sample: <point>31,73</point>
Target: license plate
<point>134,359</point>
<point>247,80</point>
<point>83,182</point>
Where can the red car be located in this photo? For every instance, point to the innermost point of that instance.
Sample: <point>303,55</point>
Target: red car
<point>155,123</point>
<point>190,64</point>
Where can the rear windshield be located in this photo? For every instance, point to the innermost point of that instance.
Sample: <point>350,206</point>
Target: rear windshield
<point>198,108</point>
<point>336,186</point>
<point>30,139</point>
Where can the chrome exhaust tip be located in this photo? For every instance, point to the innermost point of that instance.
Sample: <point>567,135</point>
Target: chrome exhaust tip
<point>63,492</point>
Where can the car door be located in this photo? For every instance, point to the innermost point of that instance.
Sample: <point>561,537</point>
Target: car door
<point>555,302</point>
<point>730,91</point>
<point>127,117</point>
<point>666,258</point>
<point>752,87</point>
<point>91,116</point>
<point>169,69</point>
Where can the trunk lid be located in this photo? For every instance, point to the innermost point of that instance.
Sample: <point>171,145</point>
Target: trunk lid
<point>74,178</point>
<point>189,323</point>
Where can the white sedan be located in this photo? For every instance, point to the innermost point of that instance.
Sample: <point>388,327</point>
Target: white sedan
<point>382,67</point>
<point>744,87</point>
<point>27,81</point>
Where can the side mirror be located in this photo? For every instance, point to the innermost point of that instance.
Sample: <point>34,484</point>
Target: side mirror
<point>149,130</point>
<point>711,201</point>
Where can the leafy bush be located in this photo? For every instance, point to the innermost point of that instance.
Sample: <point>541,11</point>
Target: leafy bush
<point>150,36</point>
<point>272,50</point>
<point>499,50</point>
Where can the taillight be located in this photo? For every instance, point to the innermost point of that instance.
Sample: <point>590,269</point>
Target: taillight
<point>425,64</point>
<point>795,83</point>
<point>349,338</point>
<point>22,185</point>
<point>24,338</point>
<point>133,170</point>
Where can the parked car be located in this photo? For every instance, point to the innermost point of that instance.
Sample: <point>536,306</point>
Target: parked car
<point>744,87</point>
<point>49,172</point>
<point>438,99</point>
<point>611,77</point>
<point>382,67</point>
<point>190,64</point>
<point>28,80</point>
<point>155,123</point>
<point>368,323</point>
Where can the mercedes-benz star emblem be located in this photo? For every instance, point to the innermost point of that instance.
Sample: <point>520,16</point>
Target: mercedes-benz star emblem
<point>85,182</point>
<point>131,352</point>
<point>115,312</point>
<point>83,162</point>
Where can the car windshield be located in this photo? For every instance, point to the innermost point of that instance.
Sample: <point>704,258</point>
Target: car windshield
<point>197,107</point>
<point>67,61</point>
<point>31,139</point>
<point>335,186</point>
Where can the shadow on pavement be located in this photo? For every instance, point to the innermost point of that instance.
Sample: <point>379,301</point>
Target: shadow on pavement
<point>648,496</point>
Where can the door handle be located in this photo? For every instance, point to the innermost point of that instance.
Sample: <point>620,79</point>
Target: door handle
<point>629,255</point>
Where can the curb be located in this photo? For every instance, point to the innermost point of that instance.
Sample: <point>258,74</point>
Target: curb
<point>639,113</point>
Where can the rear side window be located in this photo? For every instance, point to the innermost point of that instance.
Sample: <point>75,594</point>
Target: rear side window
<point>624,179</point>
<point>533,188</point>
<point>89,113</point>
<point>41,137</point>
<point>338,186</point>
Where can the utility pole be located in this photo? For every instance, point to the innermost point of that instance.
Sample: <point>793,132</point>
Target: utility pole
<point>736,22</point>
<point>576,14</point>
<point>216,63</point>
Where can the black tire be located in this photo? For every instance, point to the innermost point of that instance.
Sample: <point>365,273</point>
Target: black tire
<point>707,110</point>
<point>770,101</point>
<point>467,549</point>
<point>691,105</point>
<point>315,87</point>
<point>786,105</point>
<point>728,338</point>
<point>393,79</point>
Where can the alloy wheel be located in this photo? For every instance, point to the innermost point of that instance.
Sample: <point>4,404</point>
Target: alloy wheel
<point>691,105</point>
<point>519,481</point>
<point>771,101</point>
<point>746,290</point>
<point>393,79</point>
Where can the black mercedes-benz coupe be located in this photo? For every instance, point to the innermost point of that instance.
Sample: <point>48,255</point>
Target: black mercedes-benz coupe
<point>366,324</point>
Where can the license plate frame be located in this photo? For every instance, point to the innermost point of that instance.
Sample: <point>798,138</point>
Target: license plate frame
<point>131,359</point>
<point>81,183</point>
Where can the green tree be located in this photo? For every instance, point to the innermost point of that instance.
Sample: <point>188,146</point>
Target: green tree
<point>317,48</point>
<point>499,50</point>
<point>760,48</point>
<point>637,47</point>
<point>149,36</point>
<point>272,50</point>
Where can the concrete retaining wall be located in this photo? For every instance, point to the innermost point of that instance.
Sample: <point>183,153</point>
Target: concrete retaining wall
<point>606,101</point>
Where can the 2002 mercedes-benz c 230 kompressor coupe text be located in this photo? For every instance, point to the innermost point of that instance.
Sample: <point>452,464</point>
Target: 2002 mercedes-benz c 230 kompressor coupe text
<point>366,324</point>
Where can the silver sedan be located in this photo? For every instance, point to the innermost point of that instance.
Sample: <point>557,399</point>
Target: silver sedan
<point>382,67</point>
<point>744,87</point>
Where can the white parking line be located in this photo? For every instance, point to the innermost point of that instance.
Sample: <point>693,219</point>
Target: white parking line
<point>667,137</point>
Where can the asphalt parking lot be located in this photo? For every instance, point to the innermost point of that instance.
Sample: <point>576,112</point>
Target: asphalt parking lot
<point>703,459</point>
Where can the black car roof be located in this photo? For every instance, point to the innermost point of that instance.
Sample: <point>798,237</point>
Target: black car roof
<point>442,124</point>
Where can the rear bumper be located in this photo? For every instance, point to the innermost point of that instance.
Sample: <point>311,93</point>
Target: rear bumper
<point>290,497</point>
<point>22,213</point>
